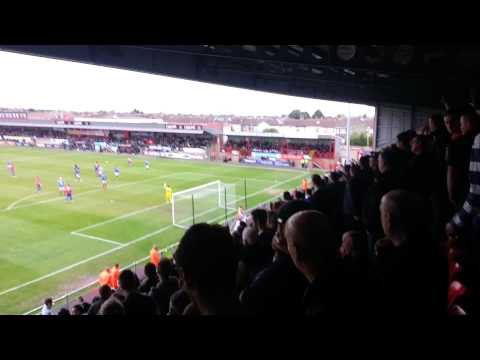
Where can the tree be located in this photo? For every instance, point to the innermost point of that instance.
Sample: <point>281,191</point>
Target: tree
<point>135,111</point>
<point>360,139</point>
<point>318,114</point>
<point>295,114</point>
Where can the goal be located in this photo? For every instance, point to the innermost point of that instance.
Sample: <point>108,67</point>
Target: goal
<point>210,202</point>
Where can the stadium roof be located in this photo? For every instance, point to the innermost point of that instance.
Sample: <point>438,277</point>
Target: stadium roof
<point>405,74</point>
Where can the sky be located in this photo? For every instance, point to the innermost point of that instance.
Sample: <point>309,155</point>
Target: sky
<point>48,84</point>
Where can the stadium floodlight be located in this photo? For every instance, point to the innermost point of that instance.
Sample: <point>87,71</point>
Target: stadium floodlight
<point>205,203</point>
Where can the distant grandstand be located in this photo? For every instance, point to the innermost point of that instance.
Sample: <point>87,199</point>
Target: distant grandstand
<point>267,141</point>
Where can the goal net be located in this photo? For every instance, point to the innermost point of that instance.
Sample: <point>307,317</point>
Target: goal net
<point>211,202</point>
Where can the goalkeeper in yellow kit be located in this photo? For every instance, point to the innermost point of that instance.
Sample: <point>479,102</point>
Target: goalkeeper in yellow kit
<point>168,193</point>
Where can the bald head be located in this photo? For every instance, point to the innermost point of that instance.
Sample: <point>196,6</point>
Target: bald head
<point>403,212</point>
<point>311,241</point>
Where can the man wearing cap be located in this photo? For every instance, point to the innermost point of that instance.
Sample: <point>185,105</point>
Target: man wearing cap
<point>280,287</point>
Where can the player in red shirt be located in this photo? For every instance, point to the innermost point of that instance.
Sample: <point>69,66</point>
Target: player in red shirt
<point>68,193</point>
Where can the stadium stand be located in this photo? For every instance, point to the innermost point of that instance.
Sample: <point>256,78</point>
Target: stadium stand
<point>382,227</point>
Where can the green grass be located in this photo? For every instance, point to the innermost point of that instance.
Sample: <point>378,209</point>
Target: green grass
<point>35,229</point>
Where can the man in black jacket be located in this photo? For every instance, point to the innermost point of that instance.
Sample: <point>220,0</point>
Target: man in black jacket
<point>391,176</point>
<point>414,279</point>
<point>329,200</point>
<point>133,301</point>
<point>278,290</point>
<point>313,247</point>
<point>105,292</point>
<point>166,286</point>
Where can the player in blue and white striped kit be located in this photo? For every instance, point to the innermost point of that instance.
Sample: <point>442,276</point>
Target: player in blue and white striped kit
<point>61,185</point>
<point>104,181</point>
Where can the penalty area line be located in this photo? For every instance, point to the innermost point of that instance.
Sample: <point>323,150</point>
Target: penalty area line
<point>96,238</point>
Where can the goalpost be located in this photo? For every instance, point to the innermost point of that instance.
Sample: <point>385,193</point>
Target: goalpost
<point>204,203</point>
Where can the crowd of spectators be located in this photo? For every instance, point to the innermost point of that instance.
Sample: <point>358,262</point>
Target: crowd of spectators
<point>136,143</point>
<point>394,234</point>
<point>279,146</point>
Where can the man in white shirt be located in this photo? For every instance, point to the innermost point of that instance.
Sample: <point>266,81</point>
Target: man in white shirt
<point>47,307</point>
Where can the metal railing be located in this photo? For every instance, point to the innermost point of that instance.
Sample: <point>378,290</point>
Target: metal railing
<point>71,298</point>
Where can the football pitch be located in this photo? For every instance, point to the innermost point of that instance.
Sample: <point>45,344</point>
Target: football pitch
<point>49,247</point>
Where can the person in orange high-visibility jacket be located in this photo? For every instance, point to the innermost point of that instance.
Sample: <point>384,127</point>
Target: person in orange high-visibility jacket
<point>114,274</point>
<point>104,277</point>
<point>305,185</point>
<point>154,256</point>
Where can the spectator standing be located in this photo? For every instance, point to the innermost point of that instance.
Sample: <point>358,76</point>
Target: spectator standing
<point>150,280</point>
<point>105,292</point>
<point>390,177</point>
<point>166,287</point>
<point>313,246</point>
<point>458,158</point>
<point>415,277</point>
<point>207,265</point>
<point>279,288</point>
<point>134,302</point>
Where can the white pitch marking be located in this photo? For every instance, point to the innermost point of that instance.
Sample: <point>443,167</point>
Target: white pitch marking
<point>141,238</point>
<point>12,205</point>
<point>124,216</point>
<point>97,238</point>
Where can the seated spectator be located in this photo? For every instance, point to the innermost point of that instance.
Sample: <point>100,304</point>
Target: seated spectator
<point>313,247</point>
<point>150,280</point>
<point>63,312</point>
<point>166,286</point>
<point>133,301</point>
<point>77,310</point>
<point>47,307</point>
<point>298,195</point>
<point>207,265</point>
<point>85,305</point>
<point>112,306</point>
<point>279,288</point>
<point>178,302</point>
<point>415,277</point>
<point>287,196</point>
<point>105,292</point>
